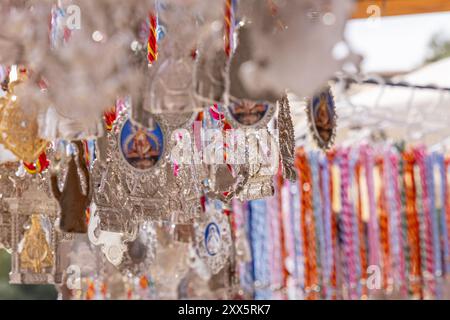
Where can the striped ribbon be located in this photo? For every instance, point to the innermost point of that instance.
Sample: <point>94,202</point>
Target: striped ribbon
<point>229,26</point>
<point>38,166</point>
<point>152,44</point>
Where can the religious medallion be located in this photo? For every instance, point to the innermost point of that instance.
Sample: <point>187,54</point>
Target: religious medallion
<point>213,238</point>
<point>322,118</point>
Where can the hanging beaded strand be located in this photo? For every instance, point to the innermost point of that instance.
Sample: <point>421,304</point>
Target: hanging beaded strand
<point>298,237</point>
<point>435,230</point>
<point>446,200</point>
<point>426,222</point>
<point>349,264</point>
<point>412,226</point>
<point>373,231</point>
<point>332,159</point>
<point>318,212</point>
<point>391,178</point>
<point>384,227</point>
<point>308,230</point>
<point>354,159</point>
<point>440,162</point>
<point>362,233</point>
<point>259,239</point>
<point>327,217</point>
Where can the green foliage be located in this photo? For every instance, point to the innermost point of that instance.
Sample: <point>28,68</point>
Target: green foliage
<point>439,48</point>
<point>21,292</point>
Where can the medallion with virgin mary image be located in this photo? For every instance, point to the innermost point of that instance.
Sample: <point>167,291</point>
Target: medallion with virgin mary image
<point>213,238</point>
<point>321,111</point>
<point>141,147</point>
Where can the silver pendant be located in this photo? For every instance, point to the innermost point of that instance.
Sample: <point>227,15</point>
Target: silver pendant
<point>213,239</point>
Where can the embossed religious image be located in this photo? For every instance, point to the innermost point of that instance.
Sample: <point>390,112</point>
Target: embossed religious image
<point>213,242</point>
<point>36,255</point>
<point>141,147</point>
<point>243,113</point>
<point>322,117</point>
<point>248,112</point>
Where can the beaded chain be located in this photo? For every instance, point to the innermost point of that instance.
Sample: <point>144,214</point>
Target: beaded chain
<point>327,214</point>
<point>373,232</point>
<point>392,160</point>
<point>318,210</point>
<point>425,219</point>
<point>433,216</point>
<point>259,239</point>
<point>349,265</point>
<point>308,229</point>
<point>334,230</point>
<point>440,162</point>
<point>354,158</point>
<point>384,226</point>
<point>275,246</point>
<point>285,241</point>
<point>298,243</point>
<point>361,231</point>
<point>412,226</point>
<point>446,200</point>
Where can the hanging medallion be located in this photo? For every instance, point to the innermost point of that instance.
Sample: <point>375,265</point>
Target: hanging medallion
<point>322,118</point>
<point>33,232</point>
<point>19,129</point>
<point>213,238</point>
<point>242,113</point>
<point>137,183</point>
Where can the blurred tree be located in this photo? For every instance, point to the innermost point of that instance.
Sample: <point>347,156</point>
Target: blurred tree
<point>21,292</point>
<point>439,47</point>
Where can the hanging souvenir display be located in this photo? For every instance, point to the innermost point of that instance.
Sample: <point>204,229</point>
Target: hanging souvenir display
<point>321,112</point>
